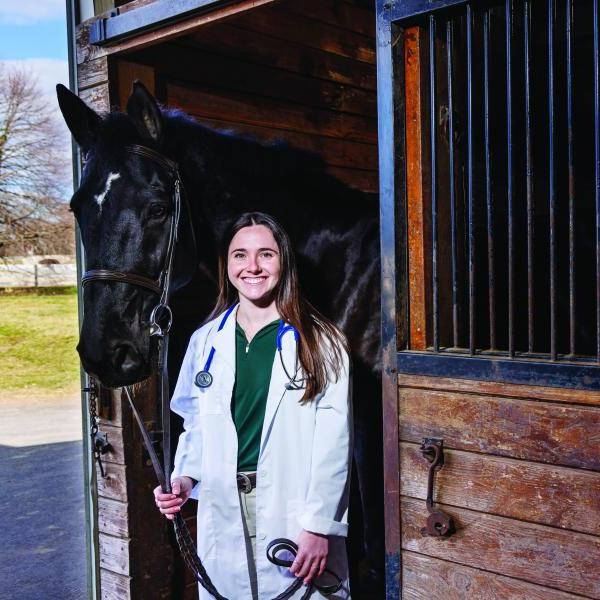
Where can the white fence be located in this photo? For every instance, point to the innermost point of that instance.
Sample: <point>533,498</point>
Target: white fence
<point>34,275</point>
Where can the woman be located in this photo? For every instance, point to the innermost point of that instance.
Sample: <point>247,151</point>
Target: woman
<point>266,447</point>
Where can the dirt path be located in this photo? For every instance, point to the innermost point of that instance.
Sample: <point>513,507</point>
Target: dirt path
<point>30,418</point>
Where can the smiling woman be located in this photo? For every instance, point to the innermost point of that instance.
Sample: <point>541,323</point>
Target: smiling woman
<point>282,493</point>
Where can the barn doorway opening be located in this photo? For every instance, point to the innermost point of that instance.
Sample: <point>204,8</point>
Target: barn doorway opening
<point>303,73</point>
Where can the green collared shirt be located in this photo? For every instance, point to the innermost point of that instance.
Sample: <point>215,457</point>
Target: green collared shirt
<point>253,365</point>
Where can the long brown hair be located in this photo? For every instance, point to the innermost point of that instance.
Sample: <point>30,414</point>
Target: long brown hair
<point>321,342</point>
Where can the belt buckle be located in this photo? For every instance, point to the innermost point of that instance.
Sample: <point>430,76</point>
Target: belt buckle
<point>242,477</point>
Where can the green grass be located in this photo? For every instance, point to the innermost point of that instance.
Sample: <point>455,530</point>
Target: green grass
<point>38,335</point>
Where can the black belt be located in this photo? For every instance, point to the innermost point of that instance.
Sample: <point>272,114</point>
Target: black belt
<point>246,482</point>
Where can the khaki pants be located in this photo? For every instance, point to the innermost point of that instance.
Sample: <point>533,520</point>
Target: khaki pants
<point>248,504</point>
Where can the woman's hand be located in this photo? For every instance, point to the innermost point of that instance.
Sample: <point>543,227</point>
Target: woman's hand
<point>311,560</point>
<point>170,504</point>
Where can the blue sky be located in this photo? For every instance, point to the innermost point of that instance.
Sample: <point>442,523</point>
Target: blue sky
<point>33,38</point>
<point>46,39</point>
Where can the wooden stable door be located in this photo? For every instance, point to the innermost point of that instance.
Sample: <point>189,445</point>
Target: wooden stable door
<point>490,195</point>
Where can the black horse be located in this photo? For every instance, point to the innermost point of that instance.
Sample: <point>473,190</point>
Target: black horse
<point>123,207</point>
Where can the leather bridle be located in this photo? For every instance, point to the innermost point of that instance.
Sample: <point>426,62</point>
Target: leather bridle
<point>161,285</point>
<point>161,319</point>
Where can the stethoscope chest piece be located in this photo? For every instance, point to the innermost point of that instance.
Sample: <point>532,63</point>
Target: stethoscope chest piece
<point>203,379</point>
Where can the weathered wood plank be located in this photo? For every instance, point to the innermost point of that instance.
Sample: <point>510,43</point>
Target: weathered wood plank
<point>367,181</point>
<point>294,29</point>
<point>265,50</point>
<point>426,578</point>
<point>127,73</point>
<point>560,559</point>
<point>113,517</point>
<point>418,204</point>
<point>545,494</point>
<point>334,152</point>
<point>210,69</point>
<point>114,586</point>
<point>116,453</point>
<point>538,431</point>
<point>336,13</point>
<point>92,73</point>
<point>114,485</point>
<point>114,553</point>
<point>191,592</point>
<point>110,407</point>
<point>97,98</point>
<point>133,4</point>
<point>501,389</point>
<point>266,113</point>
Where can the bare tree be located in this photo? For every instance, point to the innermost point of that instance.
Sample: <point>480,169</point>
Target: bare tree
<point>33,170</point>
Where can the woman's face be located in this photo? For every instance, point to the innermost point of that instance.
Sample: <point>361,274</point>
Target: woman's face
<point>253,263</point>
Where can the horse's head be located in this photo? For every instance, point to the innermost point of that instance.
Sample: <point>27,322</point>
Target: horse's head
<point>124,207</point>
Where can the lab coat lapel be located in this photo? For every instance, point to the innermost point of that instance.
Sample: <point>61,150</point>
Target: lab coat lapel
<point>277,389</point>
<point>224,340</point>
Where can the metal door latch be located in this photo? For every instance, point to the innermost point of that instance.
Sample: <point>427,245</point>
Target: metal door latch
<point>100,446</point>
<point>439,524</point>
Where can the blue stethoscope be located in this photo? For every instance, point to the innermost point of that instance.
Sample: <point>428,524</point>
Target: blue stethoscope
<point>204,378</point>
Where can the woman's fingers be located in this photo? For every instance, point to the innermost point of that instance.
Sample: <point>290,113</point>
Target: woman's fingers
<point>166,504</point>
<point>313,571</point>
<point>322,566</point>
<point>307,567</point>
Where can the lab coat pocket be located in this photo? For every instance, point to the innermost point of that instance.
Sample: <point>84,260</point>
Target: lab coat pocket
<point>206,537</point>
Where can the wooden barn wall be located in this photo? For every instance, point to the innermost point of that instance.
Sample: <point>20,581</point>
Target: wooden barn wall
<point>303,72</point>
<point>522,466</point>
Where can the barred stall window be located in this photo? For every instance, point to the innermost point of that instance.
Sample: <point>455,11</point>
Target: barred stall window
<point>510,120</point>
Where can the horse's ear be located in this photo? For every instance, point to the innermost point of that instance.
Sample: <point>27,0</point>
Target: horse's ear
<point>81,120</point>
<point>145,114</point>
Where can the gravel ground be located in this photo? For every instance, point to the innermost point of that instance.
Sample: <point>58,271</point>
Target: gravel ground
<point>41,498</point>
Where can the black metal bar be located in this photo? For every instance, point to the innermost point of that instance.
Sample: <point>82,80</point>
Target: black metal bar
<point>552,181</point>
<point>116,27</point>
<point>569,60</point>
<point>597,168</point>
<point>488,180</point>
<point>509,187</point>
<point>434,208</point>
<point>469,25</point>
<point>508,370</point>
<point>529,177</point>
<point>453,240</point>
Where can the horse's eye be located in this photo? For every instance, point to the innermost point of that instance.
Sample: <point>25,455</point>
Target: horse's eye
<point>158,210</point>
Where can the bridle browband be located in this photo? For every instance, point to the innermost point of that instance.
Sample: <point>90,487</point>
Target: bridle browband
<point>160,328</point>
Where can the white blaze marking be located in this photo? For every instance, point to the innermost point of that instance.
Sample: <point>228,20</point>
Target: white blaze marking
<point>101,197</point>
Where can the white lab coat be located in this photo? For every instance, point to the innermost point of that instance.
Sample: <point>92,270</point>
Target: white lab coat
<point>303,468</point>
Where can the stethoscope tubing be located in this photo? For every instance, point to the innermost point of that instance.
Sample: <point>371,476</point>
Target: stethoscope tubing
<point>204,378</point>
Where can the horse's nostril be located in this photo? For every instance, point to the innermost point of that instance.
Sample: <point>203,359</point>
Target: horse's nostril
<point>125,357</point>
